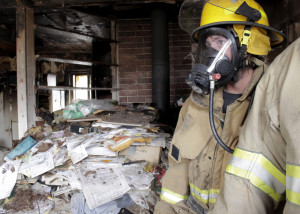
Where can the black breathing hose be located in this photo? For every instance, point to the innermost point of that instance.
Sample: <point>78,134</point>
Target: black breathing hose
<point>212,123</point>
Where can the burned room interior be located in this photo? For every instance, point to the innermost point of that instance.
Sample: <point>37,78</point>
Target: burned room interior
<point>76,43</point>
<point>127,54</point>
<point>72,44</point>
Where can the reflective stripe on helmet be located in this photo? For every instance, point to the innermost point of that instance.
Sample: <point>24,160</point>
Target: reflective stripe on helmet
<point>259,171</point>
<point>205,196</point>
<point>171,197</point>
<point>293,184</point>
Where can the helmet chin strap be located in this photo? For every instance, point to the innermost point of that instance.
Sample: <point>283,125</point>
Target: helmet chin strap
<point>252,15</point>
<point>244,44</point>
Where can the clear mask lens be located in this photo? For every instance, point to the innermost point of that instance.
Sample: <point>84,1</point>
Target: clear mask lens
<point>219,56</point>
<point>215,51</point>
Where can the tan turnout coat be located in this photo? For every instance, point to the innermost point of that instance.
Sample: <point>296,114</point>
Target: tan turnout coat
<point>196,162</point>
<point>263,175</point>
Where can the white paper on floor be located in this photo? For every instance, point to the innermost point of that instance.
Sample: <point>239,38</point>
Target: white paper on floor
<point>37,164</point>
<point>137,176</point>
<point>8,177</point>
<point>101,182</point>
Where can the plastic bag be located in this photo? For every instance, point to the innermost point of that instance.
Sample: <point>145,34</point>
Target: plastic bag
<point>86,107</point>
<point>20,149</point>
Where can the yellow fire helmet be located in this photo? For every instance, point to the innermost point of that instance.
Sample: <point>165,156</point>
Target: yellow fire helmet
<point>248,19</point>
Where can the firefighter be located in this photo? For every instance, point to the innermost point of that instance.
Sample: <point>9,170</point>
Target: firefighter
<point>263,175</point>
<point>233,40</point>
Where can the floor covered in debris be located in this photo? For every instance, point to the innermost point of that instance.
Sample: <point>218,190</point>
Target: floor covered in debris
<point>107,159</point>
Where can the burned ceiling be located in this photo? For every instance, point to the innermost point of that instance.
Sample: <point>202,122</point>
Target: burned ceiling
<point>71,26</point>
<point>74,34</point>
<point>68,26</point>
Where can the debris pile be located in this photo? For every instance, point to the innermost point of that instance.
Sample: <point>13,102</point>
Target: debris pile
<point>97,164</point>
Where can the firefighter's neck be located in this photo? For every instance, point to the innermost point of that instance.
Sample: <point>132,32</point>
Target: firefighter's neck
<point>239,86</point>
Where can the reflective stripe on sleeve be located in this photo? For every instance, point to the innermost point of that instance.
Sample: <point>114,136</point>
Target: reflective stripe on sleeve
<point>293,184</point>
<point>171,197</point>
<point>205,196</point>
<point>259,171</point>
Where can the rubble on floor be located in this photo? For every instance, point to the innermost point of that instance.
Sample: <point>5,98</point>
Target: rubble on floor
<point>101,163</point>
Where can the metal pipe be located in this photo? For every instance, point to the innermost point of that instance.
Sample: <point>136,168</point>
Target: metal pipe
<point>160,61</point>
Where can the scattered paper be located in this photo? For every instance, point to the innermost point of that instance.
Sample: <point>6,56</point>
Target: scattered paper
<point>60,156</point>
<point>78,154</point>
<point>100,150</point>
<point>99,173</point>
<point>38,164</point>
<point>73,178</point>
<point>137,177</point>
<point>8,177</point>
<point>139,197</point>
<point>41,188</point>
<point>62,190</point>
<point>143,198</point>
<point>101,183</point>
<point>107,125</point>
<point>57,178</point>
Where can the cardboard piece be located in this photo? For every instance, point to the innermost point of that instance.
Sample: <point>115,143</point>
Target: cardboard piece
<point>147,153</point>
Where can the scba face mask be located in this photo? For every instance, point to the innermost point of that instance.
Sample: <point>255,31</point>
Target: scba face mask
<point>216,57</point>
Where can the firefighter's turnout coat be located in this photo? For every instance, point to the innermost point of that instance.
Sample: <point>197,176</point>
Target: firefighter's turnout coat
<point>263,175</point>
<point>196,162</point>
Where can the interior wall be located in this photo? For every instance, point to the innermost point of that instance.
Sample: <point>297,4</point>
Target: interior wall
<point>8,97</point>
<point>5,115</point>
<point>135,60</point>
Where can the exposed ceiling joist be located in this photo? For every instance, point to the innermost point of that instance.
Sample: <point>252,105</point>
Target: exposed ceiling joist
<point>63,33</point>
<point>74,62</point>
<point>71,3</point>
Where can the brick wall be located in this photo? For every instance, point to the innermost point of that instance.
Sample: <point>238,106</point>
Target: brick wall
<point>135,71</point>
